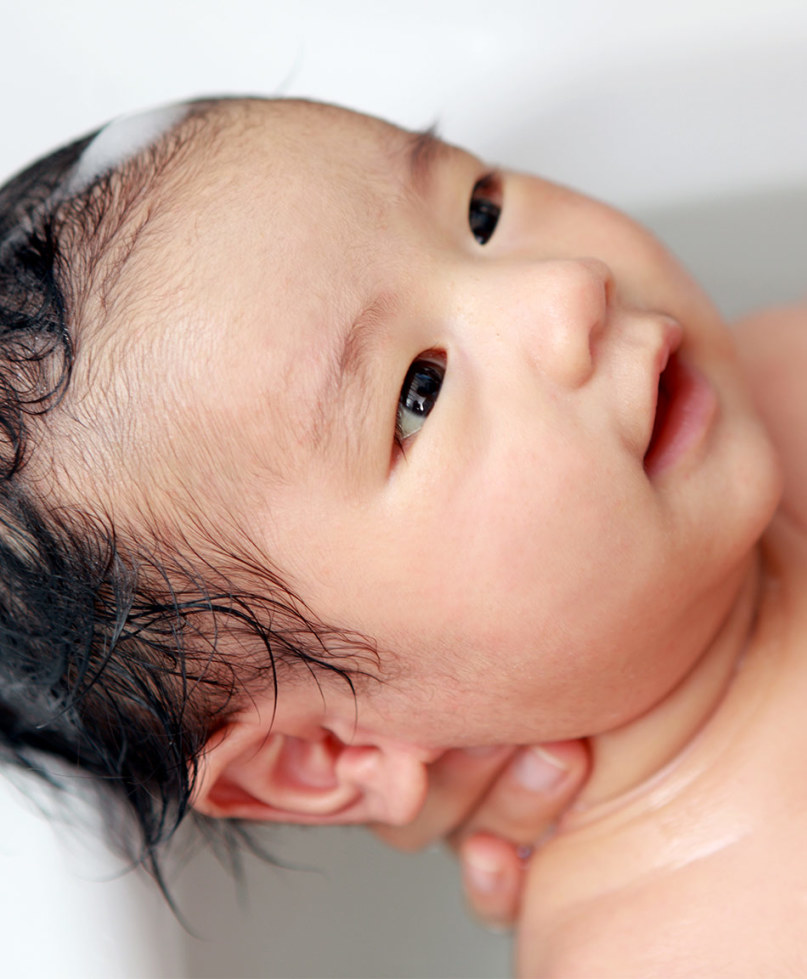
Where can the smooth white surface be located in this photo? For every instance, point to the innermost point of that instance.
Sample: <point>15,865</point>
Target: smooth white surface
<point>120,140</point>
<point>637,102</point>
<point>692,111</point>
<point>67,907</point>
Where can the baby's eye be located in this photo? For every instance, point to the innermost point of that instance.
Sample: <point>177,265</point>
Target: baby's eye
<point>485,208</point>
<point>418,396</point>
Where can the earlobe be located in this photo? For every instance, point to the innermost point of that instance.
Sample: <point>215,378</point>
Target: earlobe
<point>316,778</point>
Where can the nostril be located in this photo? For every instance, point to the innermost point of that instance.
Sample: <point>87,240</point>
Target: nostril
<point>595,288</point>
<point>602,273</point>
<point>573,307</point>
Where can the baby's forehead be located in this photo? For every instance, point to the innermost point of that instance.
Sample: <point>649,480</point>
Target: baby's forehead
<point>236,256</point>
<point>305,147</point>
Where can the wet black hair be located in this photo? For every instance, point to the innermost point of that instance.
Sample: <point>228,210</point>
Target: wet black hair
<point>111,652</point>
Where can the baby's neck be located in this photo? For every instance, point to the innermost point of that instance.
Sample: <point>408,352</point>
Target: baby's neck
<point>688,858</point>
<point>629,756</point>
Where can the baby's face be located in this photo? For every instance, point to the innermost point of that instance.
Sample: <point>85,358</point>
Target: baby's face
<point>527,567</point>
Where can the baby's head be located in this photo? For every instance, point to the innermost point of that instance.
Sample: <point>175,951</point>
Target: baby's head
<point>362,453</point>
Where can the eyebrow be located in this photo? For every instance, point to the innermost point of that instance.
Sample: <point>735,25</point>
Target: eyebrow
<point>349,365</point>
<point>421,150</point>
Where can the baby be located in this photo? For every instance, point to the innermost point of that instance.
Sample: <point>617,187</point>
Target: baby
<point>329,449</point>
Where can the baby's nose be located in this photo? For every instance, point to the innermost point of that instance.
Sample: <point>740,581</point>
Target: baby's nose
<point>568,304</point>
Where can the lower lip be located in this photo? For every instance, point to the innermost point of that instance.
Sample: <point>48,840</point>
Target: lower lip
<point>691,406</point>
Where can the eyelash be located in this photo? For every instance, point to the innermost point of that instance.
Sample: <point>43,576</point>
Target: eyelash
<point>430,368</point>
<point>485,208</point>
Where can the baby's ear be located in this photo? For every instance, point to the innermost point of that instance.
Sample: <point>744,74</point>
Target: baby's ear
<point>247,773</point>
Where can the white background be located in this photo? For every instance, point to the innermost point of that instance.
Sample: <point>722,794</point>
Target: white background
<point>691,113</point>
<point>639,101</point>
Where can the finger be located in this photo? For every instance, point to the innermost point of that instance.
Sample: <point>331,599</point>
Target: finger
<point>493,876</point>
<point>531,793</point>
<point>457,782</point>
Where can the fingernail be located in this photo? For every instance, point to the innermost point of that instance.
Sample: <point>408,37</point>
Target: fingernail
<point>482,872</point>
<point>538,770</point>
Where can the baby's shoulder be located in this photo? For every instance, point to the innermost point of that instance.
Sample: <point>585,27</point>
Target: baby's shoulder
<point>773,350</point>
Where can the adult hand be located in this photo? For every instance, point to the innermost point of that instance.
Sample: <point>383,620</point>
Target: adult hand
<point>493,805</point>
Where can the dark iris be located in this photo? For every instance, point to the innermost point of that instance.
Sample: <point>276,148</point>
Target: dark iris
<point>421,387</point>
<point>483,212</point>
<point>419,393</point>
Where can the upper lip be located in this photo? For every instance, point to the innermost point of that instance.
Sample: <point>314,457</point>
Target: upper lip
<point>672,334</point>
<point>671,337</point>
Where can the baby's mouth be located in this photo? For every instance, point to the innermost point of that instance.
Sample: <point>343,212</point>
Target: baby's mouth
<point>685,407</point>
<point>669,384</point>
<point>662,407</point>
